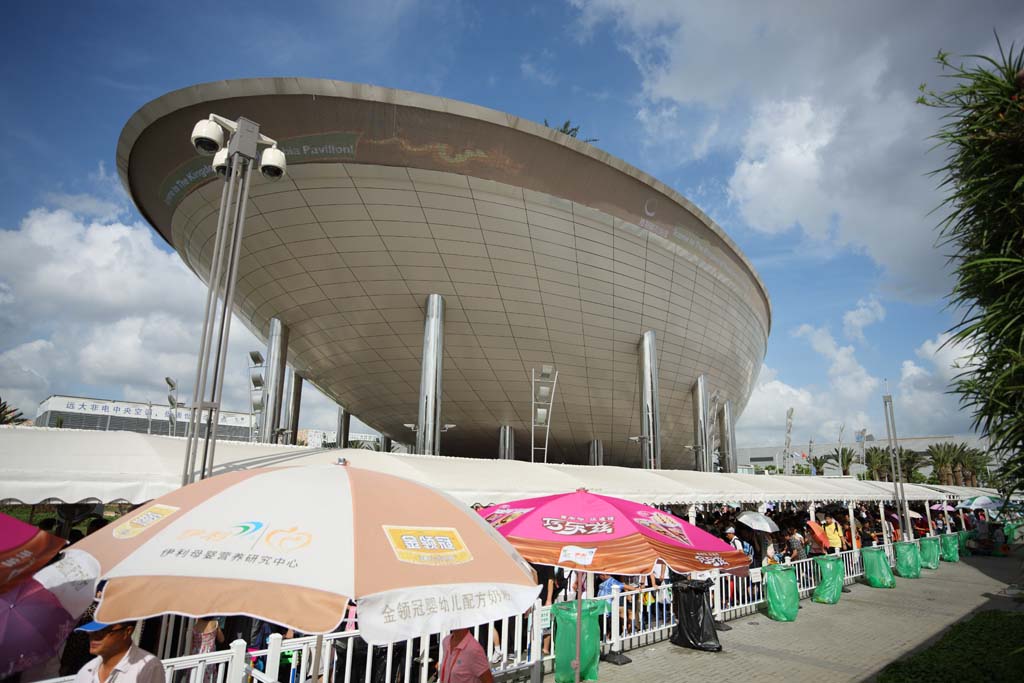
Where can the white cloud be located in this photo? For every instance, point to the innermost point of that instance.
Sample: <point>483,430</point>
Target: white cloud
<point>782,165</point>
<point>925,404</point>
<point>93,305</point>
<point>848,378</point>
<point>820,99</point>
<point>867,312</point>
<point>532,70</point>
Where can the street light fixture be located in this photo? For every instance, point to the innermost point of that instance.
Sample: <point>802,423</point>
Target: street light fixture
<point>237,147</point>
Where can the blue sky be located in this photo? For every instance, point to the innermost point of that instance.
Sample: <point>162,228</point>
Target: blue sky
<point>794,127</point>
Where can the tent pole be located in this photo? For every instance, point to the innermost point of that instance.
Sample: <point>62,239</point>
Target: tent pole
<point>579,631</point>
<point>318,647</point>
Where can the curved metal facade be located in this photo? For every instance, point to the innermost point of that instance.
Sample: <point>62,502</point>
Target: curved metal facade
<point>546,250</point>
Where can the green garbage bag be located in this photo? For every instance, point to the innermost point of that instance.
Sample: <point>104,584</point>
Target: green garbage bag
<point>564,614</point>
<point>908,560</point>
<point>832,574</point>
<point>950,548</point>
<point>930,552</point>
<point>876,568</point>
<point>781,591</point>
<point>961,541</point>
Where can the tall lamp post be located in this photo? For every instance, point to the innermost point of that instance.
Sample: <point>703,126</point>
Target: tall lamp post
<point>235,161</point>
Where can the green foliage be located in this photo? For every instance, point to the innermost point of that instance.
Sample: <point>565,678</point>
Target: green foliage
<point>877,460</point>
<point>983,180</point>
<point>985,647</point>
<point>9,415</point>
<point>819,462</point>
<point>910,463</point>
<point>940,457</point>
<point>568,129</point>
<point>842,458</point>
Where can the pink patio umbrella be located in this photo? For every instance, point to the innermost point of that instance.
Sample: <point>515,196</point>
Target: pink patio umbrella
<point>943,507</point>
<point>23,550</point>
<point>590,532</point>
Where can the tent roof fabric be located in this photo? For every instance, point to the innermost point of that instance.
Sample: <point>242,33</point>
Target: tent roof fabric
<point>49,465</point>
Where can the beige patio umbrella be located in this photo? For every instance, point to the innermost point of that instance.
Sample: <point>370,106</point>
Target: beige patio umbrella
<point>293,545</point>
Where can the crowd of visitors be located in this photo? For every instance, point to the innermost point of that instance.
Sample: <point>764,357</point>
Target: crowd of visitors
<point>114,653</point>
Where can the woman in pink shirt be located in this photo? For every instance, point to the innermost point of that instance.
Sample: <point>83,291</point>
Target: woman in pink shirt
<point>464,660</point>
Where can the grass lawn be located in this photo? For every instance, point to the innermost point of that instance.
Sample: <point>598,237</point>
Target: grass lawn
<point>987,647</point>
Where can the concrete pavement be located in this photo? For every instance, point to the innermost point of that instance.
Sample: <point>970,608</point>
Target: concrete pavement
<point>850,641</point>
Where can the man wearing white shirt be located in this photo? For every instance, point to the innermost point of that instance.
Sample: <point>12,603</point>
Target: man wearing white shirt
<point>118,659</point>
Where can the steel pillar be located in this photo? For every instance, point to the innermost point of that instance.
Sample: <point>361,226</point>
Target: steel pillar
<point>596,453</point>
<point>506,443</point>
<point>273,391</point>
<point>428,433</point>
<point>701,433</point>
<point>727,438</point>
<point>344,427</point>
<point>294,401</point>
<point>385,444</point>
<point>650,434</point>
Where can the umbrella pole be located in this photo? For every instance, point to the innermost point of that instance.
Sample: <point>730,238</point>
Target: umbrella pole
<point>317,648</point>
<point>579,627</point>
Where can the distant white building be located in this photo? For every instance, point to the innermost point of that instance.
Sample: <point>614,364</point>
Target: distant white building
<point>80,412</point>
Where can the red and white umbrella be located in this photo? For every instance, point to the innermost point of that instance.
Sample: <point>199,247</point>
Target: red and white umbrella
<point>294,545</point>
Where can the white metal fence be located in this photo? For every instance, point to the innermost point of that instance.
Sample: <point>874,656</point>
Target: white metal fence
<point>632,619</point>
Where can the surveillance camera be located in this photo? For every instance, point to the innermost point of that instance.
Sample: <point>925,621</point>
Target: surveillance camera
<point>273,164</point>
<point>220,161</point>
<point>207,137</point>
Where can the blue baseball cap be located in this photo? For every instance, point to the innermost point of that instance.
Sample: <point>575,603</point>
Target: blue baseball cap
<point>92,627</point>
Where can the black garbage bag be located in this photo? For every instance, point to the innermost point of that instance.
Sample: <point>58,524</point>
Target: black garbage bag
<point>695,625</point>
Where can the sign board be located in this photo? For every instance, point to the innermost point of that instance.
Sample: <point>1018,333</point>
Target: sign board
<point>545,617</point>
<point>581,557</point>
<point>142,411</point>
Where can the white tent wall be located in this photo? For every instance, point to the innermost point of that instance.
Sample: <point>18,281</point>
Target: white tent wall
<point>48,465</point>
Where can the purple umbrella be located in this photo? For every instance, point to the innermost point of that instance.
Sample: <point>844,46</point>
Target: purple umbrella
<point>33,624</point>
<point>37,614</point>
<point>943,507</point>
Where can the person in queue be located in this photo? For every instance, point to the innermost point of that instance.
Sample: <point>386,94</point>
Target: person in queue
<point>464,660</point>
<point>118,659</point>
<point>834,534</point>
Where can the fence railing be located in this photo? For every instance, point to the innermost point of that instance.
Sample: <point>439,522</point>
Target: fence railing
<point>632,619</point>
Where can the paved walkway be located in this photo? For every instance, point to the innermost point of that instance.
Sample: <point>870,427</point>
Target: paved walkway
<point>850,641</point>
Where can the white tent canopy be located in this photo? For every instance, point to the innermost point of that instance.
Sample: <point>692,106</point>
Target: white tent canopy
<point>63,465</point>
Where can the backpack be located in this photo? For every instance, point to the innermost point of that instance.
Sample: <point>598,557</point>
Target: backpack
<point>748,549</point>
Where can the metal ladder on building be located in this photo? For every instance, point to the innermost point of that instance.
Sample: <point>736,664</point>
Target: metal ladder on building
<point>543,398</point>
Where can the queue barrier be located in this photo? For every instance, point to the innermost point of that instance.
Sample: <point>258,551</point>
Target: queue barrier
<point>908,560</point>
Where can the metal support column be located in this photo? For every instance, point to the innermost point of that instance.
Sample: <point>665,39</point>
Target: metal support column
<point>727,438</point>
<point>906,529</point>
<point>344,427</point>
<point>294,401</point>
<point>650,439</point>
<point>928,514</point>
<point>385,444</point>
<point>596,452</point>
<point>273,392</point>
<point>506,443</point>
<point>701,436</point>
<point>428,432</point>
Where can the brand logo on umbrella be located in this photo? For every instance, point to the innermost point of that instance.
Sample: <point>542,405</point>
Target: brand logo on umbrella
<point>712,559</point>
<point>433,546</point>
<point>572,526</point>
<point>252,533</point>
<point>149,517</point>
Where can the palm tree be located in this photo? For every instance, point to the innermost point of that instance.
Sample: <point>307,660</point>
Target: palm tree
<point>911,462</point>
<point>9,415</point>
<point>877,460</point>
<point>568,129</point>
<point>818,462</point>
<point>961,463</point>
<point>843,458</point>
<point>977,465</point>
<point>940,457</point>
